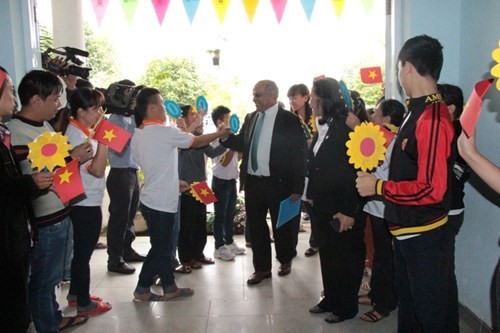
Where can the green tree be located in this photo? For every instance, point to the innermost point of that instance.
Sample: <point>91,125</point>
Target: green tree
<point>176,78</point>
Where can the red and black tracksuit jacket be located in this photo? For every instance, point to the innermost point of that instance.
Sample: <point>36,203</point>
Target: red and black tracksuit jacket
<point>418,192</point>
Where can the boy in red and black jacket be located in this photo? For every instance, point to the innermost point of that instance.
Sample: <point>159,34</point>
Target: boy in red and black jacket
<point>418,193</point>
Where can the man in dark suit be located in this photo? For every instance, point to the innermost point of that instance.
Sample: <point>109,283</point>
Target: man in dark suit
<point>272,169</point>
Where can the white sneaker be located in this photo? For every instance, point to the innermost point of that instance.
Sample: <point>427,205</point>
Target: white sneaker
<point>235,248</point>
<point>224,253</point>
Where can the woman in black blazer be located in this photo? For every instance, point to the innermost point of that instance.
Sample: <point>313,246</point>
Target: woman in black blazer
<point>332,189</point>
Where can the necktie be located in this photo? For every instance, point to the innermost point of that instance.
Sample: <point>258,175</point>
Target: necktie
<point>255,141</point>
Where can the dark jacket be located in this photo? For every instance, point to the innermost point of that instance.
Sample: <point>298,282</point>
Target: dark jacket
<point>287,161</point>
<point>16,192</point>
<point>332,179</point>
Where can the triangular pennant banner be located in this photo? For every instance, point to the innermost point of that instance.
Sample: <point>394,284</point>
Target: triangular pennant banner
<point>221,8</point>
<point>279,8</point>
<point>338,5</point>
<point>472,109</point>
<point>308,6</point>
<point>100,9</point>
<point>191,7</point>
<point>129,7</point>
<point>250,7</point>
<point>368,5</point>
<point>160,7</point>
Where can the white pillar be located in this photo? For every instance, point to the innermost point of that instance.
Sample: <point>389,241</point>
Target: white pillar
<point>67,21</point>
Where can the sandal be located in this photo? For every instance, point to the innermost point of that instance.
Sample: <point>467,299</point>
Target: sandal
<point>100,308</point>
<point>372,316</point>
<point>194,264</point>
<point>206,261</point>
<point>72,322</point>
<point>74,302</point>
<point>146,297</point>
<point>365,300</point>
<point>183,269</point>
<point>180,292</point>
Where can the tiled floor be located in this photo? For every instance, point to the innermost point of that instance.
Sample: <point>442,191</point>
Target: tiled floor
<point>222,303</point>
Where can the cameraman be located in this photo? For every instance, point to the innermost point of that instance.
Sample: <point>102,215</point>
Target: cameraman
<point>122,182</point>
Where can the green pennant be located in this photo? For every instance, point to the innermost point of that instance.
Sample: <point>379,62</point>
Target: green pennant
<point>129,7</point>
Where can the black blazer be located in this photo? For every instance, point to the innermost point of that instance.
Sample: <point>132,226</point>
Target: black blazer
<point>332,179</point>
<point>287,162</point>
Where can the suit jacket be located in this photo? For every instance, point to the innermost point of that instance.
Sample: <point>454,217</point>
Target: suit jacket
<point>332,179</point>
<point>287,159</point>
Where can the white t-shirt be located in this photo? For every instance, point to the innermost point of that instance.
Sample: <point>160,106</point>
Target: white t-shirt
<point>227,172</point>
<point>154,148</point>
<point>94,187</point>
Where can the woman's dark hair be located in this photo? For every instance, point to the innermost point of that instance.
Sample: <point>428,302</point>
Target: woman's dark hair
<point>332,102</point>
<point>393,108</point>
<point>37,82</point>
<point>301,89</point>
<point>142,101</point>
<point>185,108</point>
<point>452,95</point>
<point>359,106</point>
<point>85,98</point>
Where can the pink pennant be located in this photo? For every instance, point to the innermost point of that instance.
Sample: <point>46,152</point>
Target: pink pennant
<point>160,7</point>
<point>279,8</point>
<point>100,9</point>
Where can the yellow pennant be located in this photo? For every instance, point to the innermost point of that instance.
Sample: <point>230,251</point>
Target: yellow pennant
<point>250,7</point>
<point>338,5</point>
<point>221,8</point>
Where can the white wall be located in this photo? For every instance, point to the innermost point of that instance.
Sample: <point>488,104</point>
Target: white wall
<point>469,31</point>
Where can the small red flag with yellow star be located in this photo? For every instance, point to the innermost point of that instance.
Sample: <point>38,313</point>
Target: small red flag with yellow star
<point>203,193</point>
<point>67,182</point>
<point>371,75</point>
<point>111,135</point>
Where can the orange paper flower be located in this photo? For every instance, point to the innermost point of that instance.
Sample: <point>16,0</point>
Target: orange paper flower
<point>366,146</point>
<point>48,151</point>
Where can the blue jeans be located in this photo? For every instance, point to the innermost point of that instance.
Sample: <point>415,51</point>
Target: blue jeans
<point>47,259</point>
<point>225,208</point>
<point>159,258</point>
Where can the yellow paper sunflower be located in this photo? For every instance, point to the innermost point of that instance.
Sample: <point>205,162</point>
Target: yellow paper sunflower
<point>495,71</point>
<point>49,151</point>
<point>366,146</point>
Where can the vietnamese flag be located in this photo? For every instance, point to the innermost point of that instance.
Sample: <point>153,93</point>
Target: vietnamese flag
<point>388,135</point>
<point>371,75</point>
<point>203,193</point>
<point>67,182</point>
<point>472,109</point>
<point>111,135</point>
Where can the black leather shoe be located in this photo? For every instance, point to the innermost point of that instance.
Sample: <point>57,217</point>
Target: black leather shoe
<point>257,277</point>
<point>133,257</point>
<point>333,319</point>
<point>121,268</point>
<point>285,269</point>
<point>317,309</point>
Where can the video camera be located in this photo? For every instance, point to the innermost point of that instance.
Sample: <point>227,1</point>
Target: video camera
<point>71,61</point>
<point>119,98</point>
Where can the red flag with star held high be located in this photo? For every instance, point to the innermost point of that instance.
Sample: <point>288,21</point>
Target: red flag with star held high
<point>111,135</point>
<point>203,193</point>
<point>371,75</point>
<point>67,182</point>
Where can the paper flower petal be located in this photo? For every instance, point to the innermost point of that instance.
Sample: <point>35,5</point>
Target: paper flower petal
<point>495,71</point>
<point>48,151</point>
<point>366,146</point>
